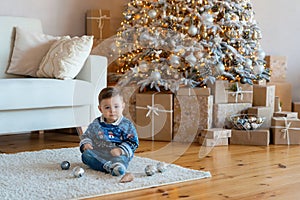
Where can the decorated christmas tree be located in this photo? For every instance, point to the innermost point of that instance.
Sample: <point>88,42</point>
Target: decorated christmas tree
<point>172,43</point>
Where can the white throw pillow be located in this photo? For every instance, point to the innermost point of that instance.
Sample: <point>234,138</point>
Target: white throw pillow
<point>66,57</point>
<point>29,50</point>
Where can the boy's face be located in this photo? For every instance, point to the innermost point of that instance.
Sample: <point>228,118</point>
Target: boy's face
<point>112,108</point>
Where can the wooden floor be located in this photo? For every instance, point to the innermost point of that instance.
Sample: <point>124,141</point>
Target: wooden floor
<point>238,172</point>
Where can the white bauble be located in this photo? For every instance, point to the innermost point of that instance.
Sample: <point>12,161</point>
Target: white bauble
<point>152,14</point>
<point>260,54</point>
<point>155,75</point>
<point>192,30</point>
<point>220,68</point>
<point>174,60</point>
<point>248,62</point>
<point>258,69</point>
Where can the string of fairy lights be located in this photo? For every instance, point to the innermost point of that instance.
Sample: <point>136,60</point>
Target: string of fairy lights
<point>169,43</point>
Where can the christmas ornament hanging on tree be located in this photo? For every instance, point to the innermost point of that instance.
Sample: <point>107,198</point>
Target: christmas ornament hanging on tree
<point>208,40</point>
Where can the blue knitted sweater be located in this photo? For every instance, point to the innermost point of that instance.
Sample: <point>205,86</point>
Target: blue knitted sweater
<point>104,136</point>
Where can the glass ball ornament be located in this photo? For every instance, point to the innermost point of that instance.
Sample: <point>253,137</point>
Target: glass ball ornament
<point>258,69</point>
<point>152,14</point>
<point>192,31</point>
<point>248,62</point>
<point>65,165</point>
<point>150,170</point>
<point>78,172</point>
<point>161,167</point>
<point>128,16</point>
<point>143,67</point>
<point>155,75</point>
<point>220,68</point>
<point>174,60</point>
<point>260,54</point>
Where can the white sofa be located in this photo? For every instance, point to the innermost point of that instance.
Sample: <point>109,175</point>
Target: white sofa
<point>30,104</point>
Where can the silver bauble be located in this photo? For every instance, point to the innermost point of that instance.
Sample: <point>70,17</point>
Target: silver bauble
<point>161,167</point>
<point>143,67</point>
<point>150,170</point>
<point>174,60</point>
<point>78,172</point>
<point>192,30</point>
<point>260,54</point>
<point>220,68</point>
<point>128,16</point>
<point>155,75</point>
<point>65,165</point>
<point>248,62</point>
<point>152,14</point>
<point>258,69</point>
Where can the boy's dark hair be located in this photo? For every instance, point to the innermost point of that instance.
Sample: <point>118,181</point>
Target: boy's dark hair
<point>107,93</point>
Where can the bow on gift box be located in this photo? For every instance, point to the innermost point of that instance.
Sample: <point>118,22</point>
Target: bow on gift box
<point>100,22</point>
<point>238,91</point>
<point>285,129</point>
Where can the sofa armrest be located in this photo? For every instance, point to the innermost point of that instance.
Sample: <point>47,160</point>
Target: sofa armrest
<point>95,72</point>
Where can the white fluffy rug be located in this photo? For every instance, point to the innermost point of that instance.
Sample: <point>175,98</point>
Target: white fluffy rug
<point>38,175</point>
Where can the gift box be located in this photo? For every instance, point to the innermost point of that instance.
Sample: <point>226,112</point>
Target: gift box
<point>192,113</point>
<point>239,93</point>
<point>296,107</point>
<point>129,98</point>
<point>277,66</point>
<point>98,24</point>
<point>207,142</point>
<point>218,90</point>
<point>264,96</point>
<point>288,115</point>
<point>215,133</point>
<point>284,91</point>
<point>285,131</point>
<point>154,116</point>
<point>262,111</point>
<point>226,92</point>
<point>223,112</point>
<point>250,137</point>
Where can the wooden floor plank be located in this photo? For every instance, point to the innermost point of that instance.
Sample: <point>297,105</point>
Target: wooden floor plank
<point>238,172</point>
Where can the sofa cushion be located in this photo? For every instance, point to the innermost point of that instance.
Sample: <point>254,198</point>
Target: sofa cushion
<point>29,50</point>
<point>31,93</point>
<point>66,57</point>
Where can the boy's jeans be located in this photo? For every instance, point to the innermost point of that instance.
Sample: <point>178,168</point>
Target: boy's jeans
<point>96,159</point>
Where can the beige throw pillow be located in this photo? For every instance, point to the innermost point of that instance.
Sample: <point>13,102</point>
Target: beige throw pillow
<point>29,50</point>
<point>66,57</point>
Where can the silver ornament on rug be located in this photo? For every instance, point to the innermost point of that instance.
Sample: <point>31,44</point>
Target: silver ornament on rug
<point>150,170</point>
<point>78,172</point>
<point>65,165</point>
<point>161,167</point>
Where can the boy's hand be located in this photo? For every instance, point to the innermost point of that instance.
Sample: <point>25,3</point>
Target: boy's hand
<point>87,146</point>
<point>116,152</point>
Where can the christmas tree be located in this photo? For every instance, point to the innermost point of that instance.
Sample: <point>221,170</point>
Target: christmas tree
<point>171,43</point>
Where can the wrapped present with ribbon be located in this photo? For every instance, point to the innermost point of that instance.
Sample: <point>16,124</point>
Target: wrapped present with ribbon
<point>98,23</point>
<point>239,93</point>
<point>285,131</point>
<point>154,116</point>
<point>260,137</point>
<point>193,111</point>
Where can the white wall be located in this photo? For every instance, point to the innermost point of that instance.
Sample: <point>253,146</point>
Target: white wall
<point>278,20</point>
